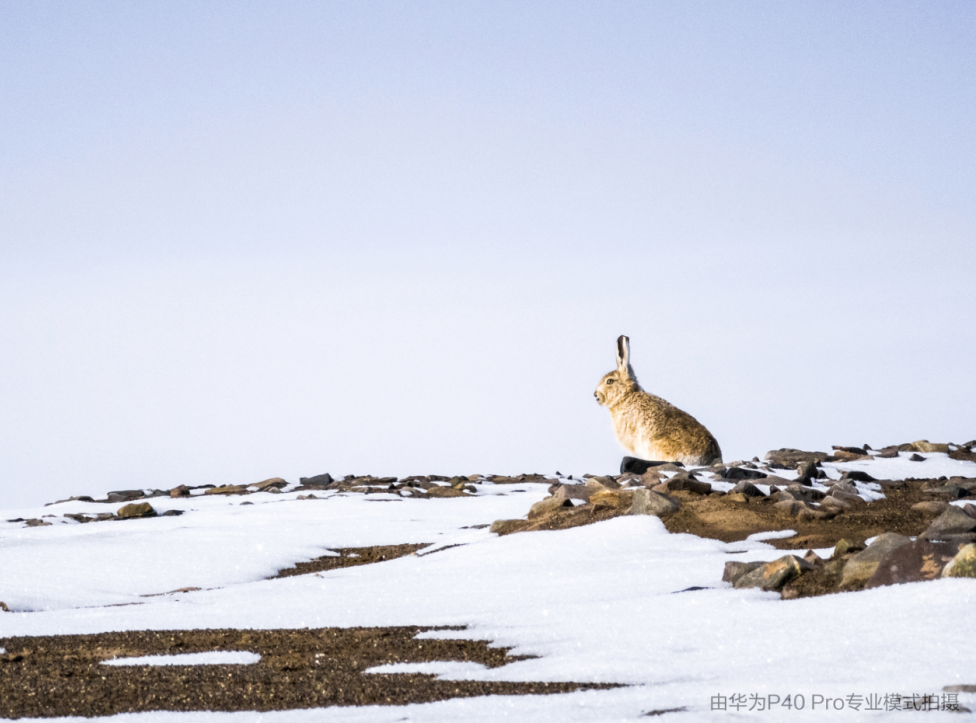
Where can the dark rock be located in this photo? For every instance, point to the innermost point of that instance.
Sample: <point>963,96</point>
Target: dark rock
<point>858,476</point>
<point>887,454</point>
<point>851,450</point>
<point>917,458</point>
<point>915,562</point>
<point>953,521</point>
<point>640,466</point>
<point>687,484</point>
<point>36,523</point>
<point>748,489</point>
<point>791,458</point>
<point>177,513</point>
<point>181,491</point>
<point>805,494</point>
<point>740,473</point>
<point>136,509</point>
<point>950,492</point>
<point>125,495</point>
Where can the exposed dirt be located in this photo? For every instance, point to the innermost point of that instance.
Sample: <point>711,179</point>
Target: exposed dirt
<point>350,557</point>
<point>62,675</point>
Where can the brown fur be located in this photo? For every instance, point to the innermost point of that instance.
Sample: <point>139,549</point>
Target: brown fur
<point>647,426</point>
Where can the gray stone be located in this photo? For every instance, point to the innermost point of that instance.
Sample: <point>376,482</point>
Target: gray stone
<point>865,563</point>
<point>953,521</point>
<point>574,492</point>
<point>790,458</point>
<point>915,562</point>
<point>648,502</point>
<point>734,570</point>
<point>805,494</point>
<point>774,575</point>
<point>125,495</point>
<point>931,507</point>
<point>748,489</point>
<point>544,507</point>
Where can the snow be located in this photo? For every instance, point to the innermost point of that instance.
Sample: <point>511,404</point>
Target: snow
<point>216,657</point>
<point>609,602</point>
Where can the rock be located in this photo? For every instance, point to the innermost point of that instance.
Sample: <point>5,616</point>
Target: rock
<point>181,491</point>
<point>916,458</point>
<point>3,607</point>
<point>125,495</point>
<point>791,458</point>
<point>923,445</point>
<point>748,489</point>
<point>136,509</point>
<point>439,491</point>
<point>963,564</point>
<point>544,507</point>
<point>651,478</point>
<point>865,563</point>
<point>851,450</point>
<point>840,456</point>
<point>737,473</point>
<point>177,513</point>
<point>648,502</point>
<point>688,484</point>
<point>809,471</point>
<point>612,499</point>
<point>844,546</point>
<point>737,497</point>
<point>805,494</point>
<point>851,500</point>
<point>857,475</point>
<point>33,522</point>
<point>277,482</point>
<point>506,527</point>
<point>734,570</point>
<point>932,507</point>
<point>790,507</point>
<point>640,466</point>
<point>953,521</point>
<point>573,492</point>
<point>227,490</point>
<point>950,492</point>
<point>774,575</point>
<point>915,562</point>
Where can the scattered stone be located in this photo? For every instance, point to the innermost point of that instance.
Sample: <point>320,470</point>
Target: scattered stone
<point>790,507</point>
<point>953,521</point>
<point>177,513</point>
<point>931,507</point>
<point>640,466</point>
<point>547,505</point>
<point>915,562</point>
<point>125,495</point>
<point>734,570</point>
<point>805,494</point>
<point>923,445</point>
<point>648,502</point>
<point>36,523</point>
<point>439,491</point>
<point>865,563</point>
<point>791,458</point>
<point>227,490</point>
<point>612,499</point>
<point>857,475</point>
<point>737,473</point>
<point>3,607</point>
<point>774,575</point>
<point>277,482</point>
<point>181,491</point>
<point>963,564</point>
<point>851,450</point>
<point>916,458</point>
<point>809,471</point>
<point>136,509</point>
<point>687,484</point>
<point>572,492</point>
<point>748,489</point>
<point>505,527</point>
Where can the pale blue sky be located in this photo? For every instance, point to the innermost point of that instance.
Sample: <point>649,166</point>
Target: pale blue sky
<point>240,240</point>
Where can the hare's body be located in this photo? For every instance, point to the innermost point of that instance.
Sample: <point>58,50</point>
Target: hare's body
<point>647,426</point>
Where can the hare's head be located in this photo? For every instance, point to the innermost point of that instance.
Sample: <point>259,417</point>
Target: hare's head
<point>620,381</point>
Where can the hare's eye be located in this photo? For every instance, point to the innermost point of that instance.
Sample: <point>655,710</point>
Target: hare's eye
<point>609,381</point>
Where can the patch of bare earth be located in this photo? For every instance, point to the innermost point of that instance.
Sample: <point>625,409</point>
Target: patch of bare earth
<point>62,675</point>
<point>351,557</point>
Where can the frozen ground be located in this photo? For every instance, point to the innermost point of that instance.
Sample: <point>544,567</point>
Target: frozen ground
<point>602,603</point>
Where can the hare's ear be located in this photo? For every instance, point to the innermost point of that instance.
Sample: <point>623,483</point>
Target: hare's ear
<point>623,356</point>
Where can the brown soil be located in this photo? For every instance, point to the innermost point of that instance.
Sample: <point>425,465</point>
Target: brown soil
<point>350,557</point>
<point>723,519</point>
<point>61,675</point>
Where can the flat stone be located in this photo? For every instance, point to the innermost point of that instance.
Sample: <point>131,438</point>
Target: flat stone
<point>505,527</point>
<point>544,507</point>
<point>952,521</point>
<point>439,491</point>
<point>805,494</point>
<point>640,466</point>
<point>125,495</point>
<point>734,570</point>
<point>276,482</point>
<point>748,489</point>
<point>177,513</point>
<point>774,575</point>
<point>687,484</point>
<point>648,502</point>
<point>853,500</point>
<point>136,509</point>
<point>791,458</point>
<point>573,492</point>
<point>181,491</point>
<point>915,562</point>
<point>963,564</point>
<point>865,563</point>
<point>932,507</point>
<point>227,490</point>
<point>858,476</point>
<point>740,473</point>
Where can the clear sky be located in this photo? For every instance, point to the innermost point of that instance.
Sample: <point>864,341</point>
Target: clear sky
<point>241,240</point>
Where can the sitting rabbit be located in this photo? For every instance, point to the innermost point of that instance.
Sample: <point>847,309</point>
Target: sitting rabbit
<point>649,427</point>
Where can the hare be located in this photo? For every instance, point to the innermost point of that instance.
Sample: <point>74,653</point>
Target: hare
<point>649,427</point>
